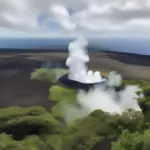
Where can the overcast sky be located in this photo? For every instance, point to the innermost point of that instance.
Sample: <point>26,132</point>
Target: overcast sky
<point>61,18</point>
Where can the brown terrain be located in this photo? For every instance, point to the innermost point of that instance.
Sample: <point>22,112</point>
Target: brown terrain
<point>16,88</point>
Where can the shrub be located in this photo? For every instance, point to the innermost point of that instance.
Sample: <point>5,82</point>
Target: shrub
<point>57,110</point>
<point>8,143</point>
<point>49,75</point>
<point>29,143</point>
<point>54,142</point>
<point>34,143</point>
<point>132,141</point>
<point>21,122</point>
<point>58,93</point>
<point>63,97</point>
<point>84,133</point>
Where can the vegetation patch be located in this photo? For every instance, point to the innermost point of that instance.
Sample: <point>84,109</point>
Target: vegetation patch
<point>132,141</point>
<point>34,128</point>
<point>20,122</point>
<point>58,93</point>
<point>48,75</point>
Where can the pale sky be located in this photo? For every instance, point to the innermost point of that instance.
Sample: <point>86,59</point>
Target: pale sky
<point>63,18</point>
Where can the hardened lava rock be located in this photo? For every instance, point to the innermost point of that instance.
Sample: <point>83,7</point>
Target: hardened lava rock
<point>68,83</point>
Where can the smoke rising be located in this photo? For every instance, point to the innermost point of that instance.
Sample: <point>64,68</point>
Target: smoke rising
<point>99,98</point>
<point>108,100</point>
<point>78,57</point>
<point>114,79</point>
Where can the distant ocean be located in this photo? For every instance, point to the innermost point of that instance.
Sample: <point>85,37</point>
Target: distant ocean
<point>133,45</point>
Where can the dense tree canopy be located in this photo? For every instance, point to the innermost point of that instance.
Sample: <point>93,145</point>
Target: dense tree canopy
<point>34,128</point>
<point>38,128</point>
<point>132,141</point>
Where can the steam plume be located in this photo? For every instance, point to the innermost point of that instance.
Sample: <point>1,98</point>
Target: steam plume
<point>106,100</point>
<point>78,57</point>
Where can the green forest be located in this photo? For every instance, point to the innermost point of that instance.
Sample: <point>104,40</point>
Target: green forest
<point>35,128</point>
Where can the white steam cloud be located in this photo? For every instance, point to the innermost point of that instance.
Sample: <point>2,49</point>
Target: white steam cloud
<point>108,100</point>
<point>78,57</point>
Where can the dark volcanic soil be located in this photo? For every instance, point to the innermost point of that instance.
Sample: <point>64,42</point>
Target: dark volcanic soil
<point>16,88</point>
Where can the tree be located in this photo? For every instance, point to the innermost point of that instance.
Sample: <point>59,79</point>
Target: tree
<point>132,141</point>
<point>34,128</point>
<point>21,122</point>
<point>85,133</point>
<point>8,143</point>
